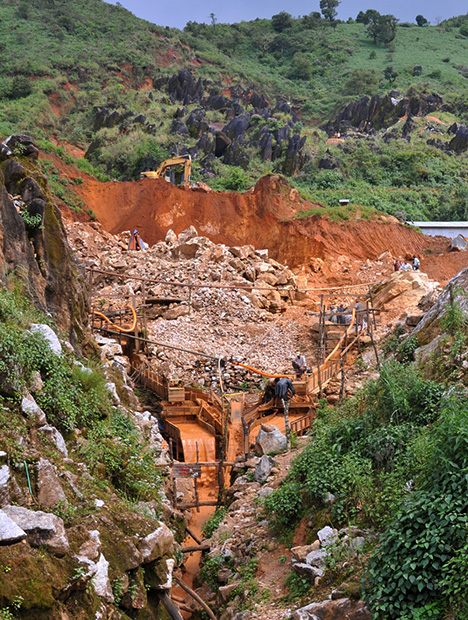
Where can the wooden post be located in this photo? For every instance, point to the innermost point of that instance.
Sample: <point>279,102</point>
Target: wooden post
<point>193,535</point>
<point>194,595</point>
<point>222,456</point>
<point>357,332</point>
<point>174,483</point>
<point>371,333</point>
<point>321,335</point>
<point>372,306</point>
<point>195,483</point>
<point>286,422</point>
<point>144,322</point>
<point>137,342</point>
<point>342,381</point>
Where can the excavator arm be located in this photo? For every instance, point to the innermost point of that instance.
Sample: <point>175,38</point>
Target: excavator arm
<point>184,160</point>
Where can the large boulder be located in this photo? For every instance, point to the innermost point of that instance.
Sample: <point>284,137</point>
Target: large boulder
<point>263,468</point>
<point>31,410</point>
<point>403,291</point>
<point>50,492</point>
<point>41,528</point>
<point>56,438</point>
<point>157,544</point>
<point>5,477</point>
<point>10,532</point>
<point>342,609</point>
<point>270,439</point>
<point>458,244</point>
<point>49,336</point>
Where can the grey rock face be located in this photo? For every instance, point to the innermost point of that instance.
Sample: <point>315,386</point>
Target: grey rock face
<point>458,244</point>
<point>41,528</point>
<point>333,610</point>
<point>316,558</point>
<point>263,468</point>
<point>56,438</point>
<point>32,410</point>
<point>270,439</point>
<point>308,571</point>
<point>5,476</point>
<point>10,532</point>
<point>50,493</point>
<point>157,544</point>
<point>327,535</point>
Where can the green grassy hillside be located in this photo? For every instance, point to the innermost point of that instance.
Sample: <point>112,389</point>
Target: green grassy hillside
<point>64,62</point>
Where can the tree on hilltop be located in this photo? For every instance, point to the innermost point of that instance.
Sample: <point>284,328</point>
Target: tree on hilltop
<point>328,8</point>
<point>382,28</point>
<point>421,20</point>
<point>368,16</point>
<point>281,21</point>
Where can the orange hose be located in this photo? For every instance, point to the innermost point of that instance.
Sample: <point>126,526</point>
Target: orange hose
<point>121,329</point>
<point>259,372</point>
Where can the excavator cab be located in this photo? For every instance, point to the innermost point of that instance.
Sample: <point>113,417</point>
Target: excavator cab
<point>166,170</point>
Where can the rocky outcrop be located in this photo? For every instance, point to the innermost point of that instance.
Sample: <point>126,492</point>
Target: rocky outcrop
<point>249,124</point>
<point>39,251</point>
<point>429,327</point>
<point>41,528</point>
<point>374,113</point>
<point>459,142</point>
<point>404,290</point>
<point>333,610</point>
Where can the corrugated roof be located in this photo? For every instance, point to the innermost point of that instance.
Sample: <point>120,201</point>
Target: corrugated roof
<point>439,224</point>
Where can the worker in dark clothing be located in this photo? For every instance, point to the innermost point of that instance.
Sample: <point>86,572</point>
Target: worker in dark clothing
<point>269,392</point>
<point>283,387</point>
<point>341,312</point>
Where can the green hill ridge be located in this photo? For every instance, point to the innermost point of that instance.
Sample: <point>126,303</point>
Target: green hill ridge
<point>93,75</point>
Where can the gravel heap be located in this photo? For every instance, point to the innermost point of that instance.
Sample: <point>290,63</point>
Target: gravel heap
<point>248,325</point>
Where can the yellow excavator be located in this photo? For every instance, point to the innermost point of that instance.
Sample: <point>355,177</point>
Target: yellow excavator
<point>164,169</point>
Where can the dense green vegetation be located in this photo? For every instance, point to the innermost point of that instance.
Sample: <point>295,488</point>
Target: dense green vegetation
<point>395,459</point>
<point>63,62</point>
<point>74,397</point>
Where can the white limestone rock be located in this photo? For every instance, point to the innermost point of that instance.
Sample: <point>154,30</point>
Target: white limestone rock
<point>49,336</point>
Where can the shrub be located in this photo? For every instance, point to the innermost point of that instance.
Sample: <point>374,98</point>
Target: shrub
<point>413,569</point>
<point>212,524</point>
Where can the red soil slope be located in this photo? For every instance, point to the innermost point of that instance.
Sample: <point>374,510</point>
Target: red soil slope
<point>259,217</point>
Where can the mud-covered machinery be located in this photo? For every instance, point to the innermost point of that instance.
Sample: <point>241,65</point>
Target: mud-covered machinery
<point>166,171</point>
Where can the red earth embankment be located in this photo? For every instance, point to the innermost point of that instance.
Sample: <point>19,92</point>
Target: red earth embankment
<point>260,217</point>
<point>257,217</point>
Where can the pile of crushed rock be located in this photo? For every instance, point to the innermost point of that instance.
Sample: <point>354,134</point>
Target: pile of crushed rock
<point>234,308</point>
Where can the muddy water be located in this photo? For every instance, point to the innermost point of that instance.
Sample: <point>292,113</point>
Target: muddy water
<point>194,436</point>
